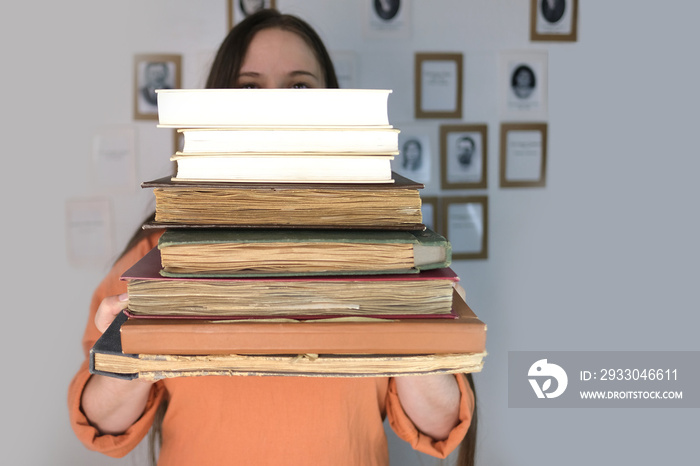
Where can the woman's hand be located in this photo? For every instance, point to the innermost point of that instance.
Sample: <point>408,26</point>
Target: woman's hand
<point>431,401</point>
<point>109,308</point>
<point>112,405</point>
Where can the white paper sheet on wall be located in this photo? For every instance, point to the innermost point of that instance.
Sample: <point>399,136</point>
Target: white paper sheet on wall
<point>89,231</point>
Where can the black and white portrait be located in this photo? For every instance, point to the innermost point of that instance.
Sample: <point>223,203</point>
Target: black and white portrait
<point>248,7</point>
<point>552,10</point>
<point>240,9</point>
<point>153,72</point>
<point>387,18</point>
<point>553,20</point>
<point>156,75</point>
<point>414,157</point>
<point>411,155</point>
<point>463,156</point>
<point>524,85</point>
<point>465,151</point>
<point>523,81</point>
<point>387,9</point>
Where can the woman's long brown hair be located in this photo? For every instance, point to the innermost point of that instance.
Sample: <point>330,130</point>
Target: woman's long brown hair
<point>223,74</point>
<point>467,450</point>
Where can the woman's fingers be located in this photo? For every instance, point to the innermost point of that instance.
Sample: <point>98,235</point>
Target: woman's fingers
<point>109,308</point>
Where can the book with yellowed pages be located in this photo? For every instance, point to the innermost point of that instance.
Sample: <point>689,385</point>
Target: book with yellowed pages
<point>265,354</point>
<point>150,293</point>
<point>194,108</point>
<point>209,204</point>
<point>280,252</point>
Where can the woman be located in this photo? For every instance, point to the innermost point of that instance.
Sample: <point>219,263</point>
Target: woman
<point>262,420</point>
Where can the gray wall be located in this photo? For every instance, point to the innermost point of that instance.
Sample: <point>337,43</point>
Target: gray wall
<point>603,258</point>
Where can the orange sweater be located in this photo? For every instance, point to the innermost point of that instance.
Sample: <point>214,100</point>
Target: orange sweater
<point>261,420</point>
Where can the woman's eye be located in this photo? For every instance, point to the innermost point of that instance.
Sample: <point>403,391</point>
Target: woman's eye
<point>248,86</point>
<point>300,86</point>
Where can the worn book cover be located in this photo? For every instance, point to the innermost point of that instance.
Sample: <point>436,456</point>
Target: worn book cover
<point>150,293</point>
<point>183,204</point>
<point>108,358</point>
<point>344,335</point>
<point>281,252</point>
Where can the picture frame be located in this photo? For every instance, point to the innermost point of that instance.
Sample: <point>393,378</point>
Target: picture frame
<point>415,157</point>
<point>463,156</point>
<point>523,155</point>
<point>151,72</point>
<point>346,64</point>
<point>523,84</point>
<point>89,231</point>
<point>465,223</point>
<point>438,85</point>
<point>554,20</point>
<point>113,161</point>
<point>429,209</point>
<point>236,10</point>
<point>387,19</point>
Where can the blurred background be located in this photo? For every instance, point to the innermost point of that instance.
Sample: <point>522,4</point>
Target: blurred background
<point>603,257</point>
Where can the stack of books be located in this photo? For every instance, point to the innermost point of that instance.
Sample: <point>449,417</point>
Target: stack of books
<point>271,265</point>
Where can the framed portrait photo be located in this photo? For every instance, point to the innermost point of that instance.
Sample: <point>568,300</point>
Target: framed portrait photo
<point>524,85</point>
<point>463,156</point>
<point>465,224</point>
<point>238,10</point>
<point>438,85</point>
<point>415,157</point>
<point>523,156</point>
<point>153,72</point>
<point>429,210</point>
<point>553,20</point>
<point>387,19</point>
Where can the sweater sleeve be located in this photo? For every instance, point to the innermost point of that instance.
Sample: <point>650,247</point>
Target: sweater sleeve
<point>406,430</point>
<point>112,445</point>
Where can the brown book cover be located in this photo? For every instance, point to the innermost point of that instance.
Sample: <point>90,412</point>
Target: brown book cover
<point>190,204</point>
<point>465,334</point>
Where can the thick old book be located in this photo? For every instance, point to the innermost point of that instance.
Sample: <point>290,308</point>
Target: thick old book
<point>270,252</point>
<point>344,335</point>
<point>181,204</point>
<point>150,293</point>
<point>192,108</point>
<point>284,168</point>
<point>107,357</point>
<point>283,140</point>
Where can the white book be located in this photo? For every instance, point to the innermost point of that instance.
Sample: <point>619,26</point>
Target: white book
<point>191,108</point>
<point>287,168</point>
<point>358,140</point>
